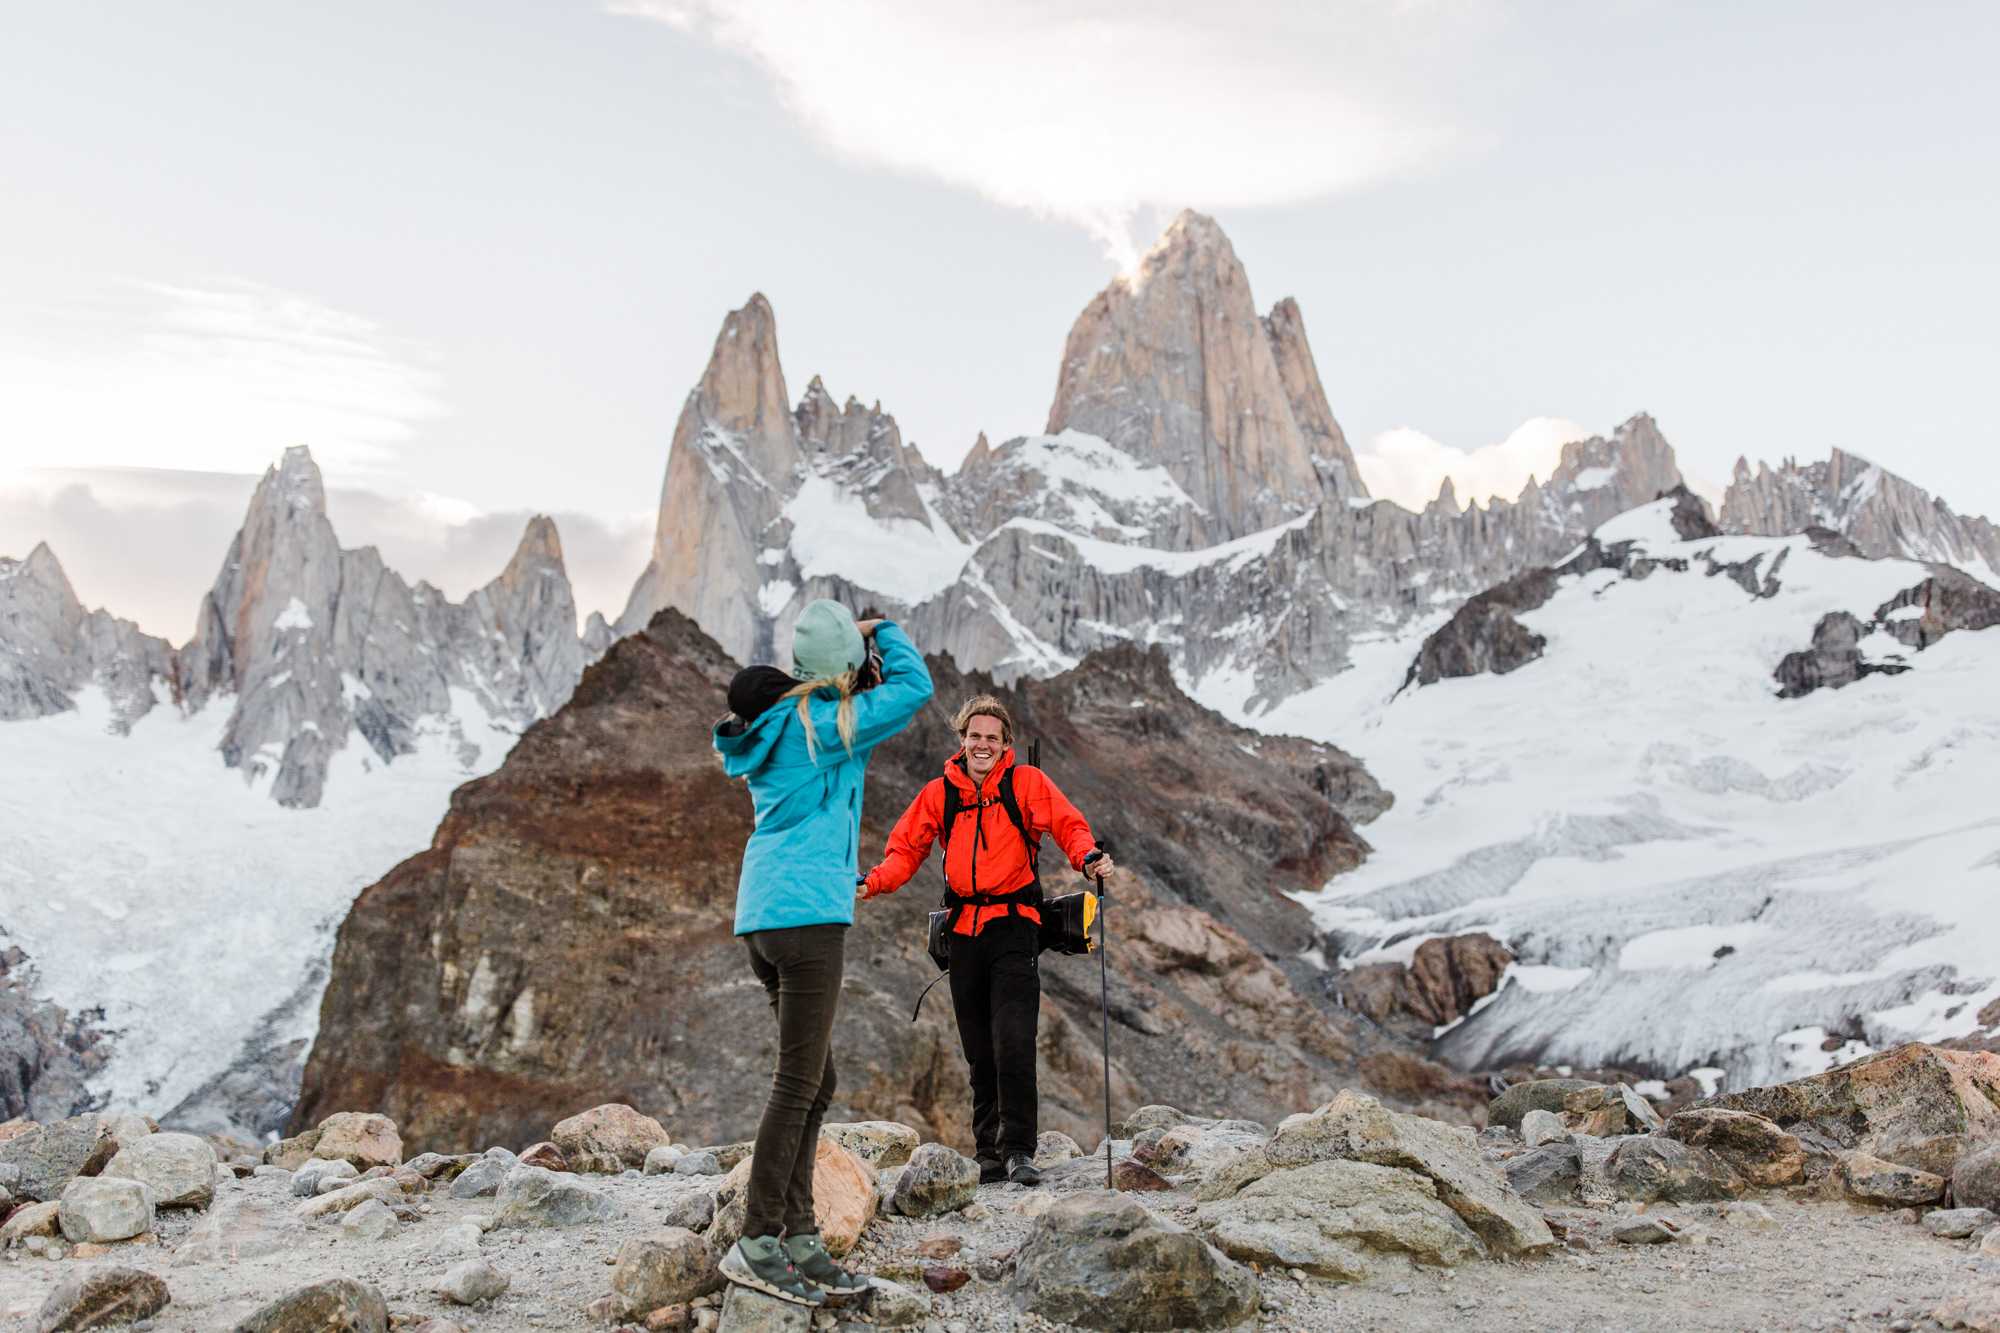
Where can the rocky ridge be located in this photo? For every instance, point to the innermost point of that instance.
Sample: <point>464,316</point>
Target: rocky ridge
<point>50,647</point>
<point>1880,512</point>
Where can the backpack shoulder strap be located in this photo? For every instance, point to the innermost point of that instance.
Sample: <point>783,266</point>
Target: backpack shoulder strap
<point>952,805</point>
<point>1012,805</point>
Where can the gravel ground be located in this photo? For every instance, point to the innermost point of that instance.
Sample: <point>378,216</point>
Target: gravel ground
<point>1830,1267</point>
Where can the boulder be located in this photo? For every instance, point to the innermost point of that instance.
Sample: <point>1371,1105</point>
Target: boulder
<point>294,1152</point>
<point>700,1162</point>
<point>1976,1307</point>
<point>1975,1178</point>
<point>35,1219</point>
<point>1642,1231</point>
<point>338,1305</point>
<point>936,1180</point>
<point>1544,1094</point>
<point>98,1209</point>
<point>893,1305</point>
<point>547,1156</point>
<point>879,1143</point>
<point>50,1156</point>
<point>1869,1179</point>
<point>241,1226</point>
<point>1641,1112</point>
<point>1340,1220</point>
<point>666,1267</point>
<point>1915,1105</point>
<point>745,1310</point>
<point>532,1196</point>
<point>131,1128</point>
<point>470,1281</point>
<point>1760,1152</point>
<point>309,1179</point>
<point>1596,1110</point>
<point>1357,1128</point>
<point>347,1197</point>
<point>844,1197</point>
<point>1539,1127</point>
<point>1101,1260</point>
<point>358,1137</point>
<point>369,1220</point>
<point>608,1139</point>
<point>1547,1175</point>
<point>1055,1146</point>
<point>178,1168</point>
<point>661,1160</point>
<point>101,1297</point>
<point>480,1179</point>
<point>1957,1223</point>
<point>693,1211</point>
<point>1661,1170</point>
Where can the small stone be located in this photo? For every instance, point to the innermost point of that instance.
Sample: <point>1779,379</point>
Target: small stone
<point>936,1180</point>
<point>471,1281</point>
<point>277,1173</point>
<point>1975,1178</point>
<point>1138,1178</point>
<point>339,1305</point>
<point>100,1297</point>
<point>1750,1217</point>
<point>893,1305</point>
<point>484,1221</point>
<point>1975,1307</point>
<point>702,1163</point>
<point>1642,1231</point>
<point>35,1219</point>
<point>607,1139</point>
<point>430,1164</point>
<point>100,1209</point>
<point>661,1160</point>
<point>693,1210</point>
<point>938,1245</point>
<point>531,1196</point>
<point>483,1177</point>
<point>1957,1223</point>
<point>342,1199</point>
<point>460,1239</point>
<point>608,1309</point>
<point>879,1143</point>
<point>371,1220</point>
<point>670,1319</point>
<point>745,1310</point>
<point>1539,1127</point>
<point>545,1155</point>
<point>1053,1146</point>
<point>1539,1095</point>
<point>671,1266</point>
<point>310,1177</point>
<point>178,1168</point>
<point>942,1278</point>
<point>362,1138</point>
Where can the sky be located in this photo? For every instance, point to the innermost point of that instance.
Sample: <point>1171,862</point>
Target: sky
<point>475,255</point>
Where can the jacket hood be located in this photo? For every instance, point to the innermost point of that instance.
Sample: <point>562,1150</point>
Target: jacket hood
<point>748,752</point>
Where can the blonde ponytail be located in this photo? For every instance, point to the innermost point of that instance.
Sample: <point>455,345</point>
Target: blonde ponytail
<point>843,715</point>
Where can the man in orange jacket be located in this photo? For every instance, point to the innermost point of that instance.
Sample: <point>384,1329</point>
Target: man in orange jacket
<point>991,814</point>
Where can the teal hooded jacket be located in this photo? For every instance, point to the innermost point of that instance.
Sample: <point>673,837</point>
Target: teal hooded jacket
<point>799,865</point>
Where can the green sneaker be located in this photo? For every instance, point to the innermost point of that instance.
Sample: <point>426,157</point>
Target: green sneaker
<point>763,1265</point>
<point>812,1260</point>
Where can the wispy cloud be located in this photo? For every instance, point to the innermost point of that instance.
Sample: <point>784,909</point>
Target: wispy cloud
<point>217,376</point>
<point>1408,466</point>
<point>1092,110</point>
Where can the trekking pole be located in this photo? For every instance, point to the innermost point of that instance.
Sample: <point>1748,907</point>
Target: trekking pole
<point>1104,1011</point>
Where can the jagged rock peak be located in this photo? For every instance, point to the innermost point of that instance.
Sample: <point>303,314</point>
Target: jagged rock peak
<point>743,389</point>
<point>1880,512</point>
<point>50,647</point>
<point>980,454</point>
<point>1173,365</point>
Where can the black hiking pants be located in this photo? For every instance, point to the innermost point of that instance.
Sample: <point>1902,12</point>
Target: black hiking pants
<point>996,991</point>
<point>800,968</point>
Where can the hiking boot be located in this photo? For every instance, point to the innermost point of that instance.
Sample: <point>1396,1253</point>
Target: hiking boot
<point>817,1266</point>
<point>1021,1170</point>
<point>991,1170</point>
<point>762,1264</point>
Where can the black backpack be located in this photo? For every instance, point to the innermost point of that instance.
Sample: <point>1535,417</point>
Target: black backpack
<point>1065,920</point>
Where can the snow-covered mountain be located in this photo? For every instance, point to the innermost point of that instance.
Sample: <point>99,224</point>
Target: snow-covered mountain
<point>182,830</point>
<point>1695,870</point>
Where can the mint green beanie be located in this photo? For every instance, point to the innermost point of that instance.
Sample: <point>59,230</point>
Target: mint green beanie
<point>826,642</point>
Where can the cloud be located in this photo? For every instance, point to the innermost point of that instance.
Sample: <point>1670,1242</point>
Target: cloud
<point>146,543</point>
<point>1408,466</point>
<point>212,378</point>
<point>1092,110</point>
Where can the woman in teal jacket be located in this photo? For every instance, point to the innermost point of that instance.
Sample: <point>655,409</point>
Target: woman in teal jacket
<point>803,741</point>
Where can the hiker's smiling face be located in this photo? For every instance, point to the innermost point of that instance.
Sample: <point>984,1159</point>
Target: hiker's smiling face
<point>984,742</point>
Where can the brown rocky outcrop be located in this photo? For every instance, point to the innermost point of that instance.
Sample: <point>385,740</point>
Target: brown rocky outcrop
<point>1172,365</point>
<point>1445,978</point>
<point>1917,1106</point>
<point>566,940</point>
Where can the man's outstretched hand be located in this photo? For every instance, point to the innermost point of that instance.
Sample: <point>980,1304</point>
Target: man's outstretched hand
<point>1099,868</point>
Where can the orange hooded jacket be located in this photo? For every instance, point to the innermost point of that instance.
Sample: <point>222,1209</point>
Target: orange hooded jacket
<point>985,853</point>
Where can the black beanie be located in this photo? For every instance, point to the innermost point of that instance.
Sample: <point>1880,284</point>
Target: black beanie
<point>755,689</point>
